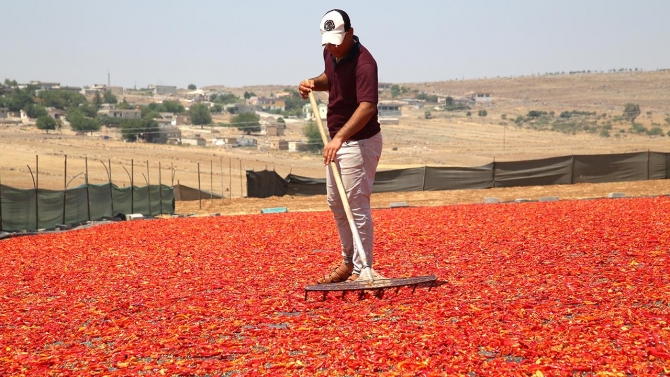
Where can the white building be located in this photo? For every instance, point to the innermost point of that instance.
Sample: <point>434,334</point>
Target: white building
<point>122,114</point>
<point>308,114</point>
<point>163,89</point>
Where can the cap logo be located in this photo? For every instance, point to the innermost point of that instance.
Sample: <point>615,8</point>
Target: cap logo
<point>329,25</point>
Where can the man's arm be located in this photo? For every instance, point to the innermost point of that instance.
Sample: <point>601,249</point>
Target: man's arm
<point>358,120</point>
<point>318,84</point>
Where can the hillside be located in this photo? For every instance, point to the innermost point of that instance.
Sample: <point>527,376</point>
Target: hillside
<point>449,138</point>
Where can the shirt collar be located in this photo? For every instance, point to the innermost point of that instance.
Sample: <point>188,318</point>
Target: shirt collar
<point>353,51</point>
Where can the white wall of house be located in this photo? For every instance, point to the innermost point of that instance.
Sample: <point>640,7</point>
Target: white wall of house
<point>308,114</point>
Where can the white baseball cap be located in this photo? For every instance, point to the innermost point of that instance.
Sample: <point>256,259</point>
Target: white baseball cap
<point>334,25</point>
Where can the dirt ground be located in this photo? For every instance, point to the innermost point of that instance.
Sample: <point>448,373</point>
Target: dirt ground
<point>429,198</point>
<point>29,156</point>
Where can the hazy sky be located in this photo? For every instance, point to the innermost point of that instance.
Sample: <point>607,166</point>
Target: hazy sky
<point>215,42</point>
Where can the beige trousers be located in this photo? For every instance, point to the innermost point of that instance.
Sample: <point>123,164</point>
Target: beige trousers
<point>357,161</point>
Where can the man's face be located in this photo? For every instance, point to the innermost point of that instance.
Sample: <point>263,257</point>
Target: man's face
<point>340,51</point>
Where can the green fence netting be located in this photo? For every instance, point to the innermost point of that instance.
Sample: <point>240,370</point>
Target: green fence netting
<point>30,209</point>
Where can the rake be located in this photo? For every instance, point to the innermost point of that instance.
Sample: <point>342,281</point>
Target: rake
<point>368,279</point>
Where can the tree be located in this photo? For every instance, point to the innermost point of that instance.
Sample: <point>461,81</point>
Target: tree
<point>200,114</point>
<point>88,110</point>
<point>18,100</point>
<point>62,99</point>
<point>631,111</point>
<point>173,107</point>
<point>97,100</point>
<point>84,124</point>
<point>11,83</point>
<point>247,122</point>
<point>395,91</point>
<point>46,122</point>
<point>124,105</point>
<point>449,101</point>
<point>150,130</point>
<point>130,129</point>
<point>248,95</point>
<point>217,108</point>
<point>482,113</point>
<point>227,98</point>
<point>192,87</point>
<point>313,135</point>
<point>109,97</point>
<point>35,111</point>
<point>146,129</point>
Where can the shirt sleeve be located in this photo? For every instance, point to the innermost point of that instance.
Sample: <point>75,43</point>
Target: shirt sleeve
<point>367,85</point>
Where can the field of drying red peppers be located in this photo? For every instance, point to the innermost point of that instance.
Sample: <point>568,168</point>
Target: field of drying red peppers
<point>567,288</point>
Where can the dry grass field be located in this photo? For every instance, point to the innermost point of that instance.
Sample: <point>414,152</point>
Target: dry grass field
<point>448,139</point>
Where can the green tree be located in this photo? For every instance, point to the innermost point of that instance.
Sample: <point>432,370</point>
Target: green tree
<point>631,111</point>
<point>482,113</point>
<point>46,122</point>
<point>62,99</point>
<point>80,123</point>
<point>11,83</point>
<point>217,108</point>
<point>18,100</point>
<point>427,115</point>
<point>395,91</point>
<point>124,105</point>
<point>35,111</point>
<point>313,135</point>
<point>227,98</point>
<point>449,101</point>
<point>200,114</point>
<point>146,129</point>
<point>109,97</point>
<point>192,87</point>
<point>97,100</point>
<point>248,95</point>
<point>173,107</point>
<point>150,130</point>
<point>247,122</point>
<point>130,130</point>
<point>88,110</point>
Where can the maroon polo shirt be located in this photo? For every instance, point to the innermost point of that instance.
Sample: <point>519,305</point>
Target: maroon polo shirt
<point>351,81</point>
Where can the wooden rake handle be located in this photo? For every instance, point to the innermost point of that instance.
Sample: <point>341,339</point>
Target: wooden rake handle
<point>340,186</point>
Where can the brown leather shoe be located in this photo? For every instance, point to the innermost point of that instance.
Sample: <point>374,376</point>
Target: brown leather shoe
<point>340,273</point>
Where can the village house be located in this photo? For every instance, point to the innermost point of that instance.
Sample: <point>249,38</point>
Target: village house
<point>55,113</point>
<point>163,90</point>
<point>227,142</point>
<point>281,145</point>
<point>41,85</point>
<point>121,113</point>
<point>480,97</point>
<point>308,114</point>
<point>390,108</point>
<point>181,119</point>
<point>297,146</point>
<point>196,140</point>
<point>101,88</point>
<point>4,112</point>
<point>243,141</point>
<point>238,108</point>
<point>271,103</point>
<point>169,135</point>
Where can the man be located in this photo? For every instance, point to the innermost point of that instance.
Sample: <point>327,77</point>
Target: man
<point>350,77</point>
